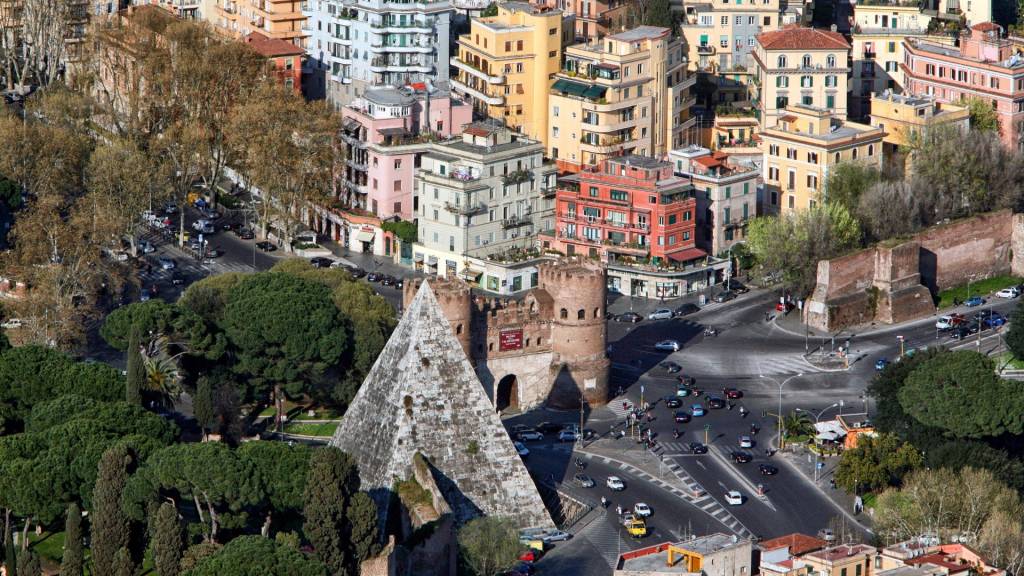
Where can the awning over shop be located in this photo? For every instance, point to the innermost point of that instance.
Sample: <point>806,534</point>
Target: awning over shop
<point>349,124</point>
<point>417,257</point>
<point>569,87</point>
<point>594,92</point>
<point>470,274</point>
<point>398,131</point>
<point>687,255</point>
<point>364,236</point>
<point>432,260</point>
<point>831,431</point>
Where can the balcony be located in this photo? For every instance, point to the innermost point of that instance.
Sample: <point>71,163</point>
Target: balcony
<point>356,165</point>
<point>476,94</point>
<point>869,55</point>
<point>465,209</point>
<point>389,48</point>
<point>403,27</point>
<point>706,50</point>
<point>516,221</point>
<point>474,71</point>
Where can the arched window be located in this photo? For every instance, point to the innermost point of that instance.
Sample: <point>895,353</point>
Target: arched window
<point>854,154</point>
<point>597,312</point>
<point>563,314</point>
<point>830,61</point>
<point>490,346</point>
<point>838,157</point>
<point>581,315</point>
<point>871,149</point>
<point>539,341</point>
<point>458,329</point>
<point>806,61</point>
<point>782,61</point>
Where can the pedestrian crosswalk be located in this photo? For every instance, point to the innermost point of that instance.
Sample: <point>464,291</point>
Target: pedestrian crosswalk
<point>697,363</point>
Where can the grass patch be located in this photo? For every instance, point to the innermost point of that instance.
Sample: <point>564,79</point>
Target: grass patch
<point>410,492</point>
<point>48,545</point>
<point>308,429</point>
<point>1006,360</point>
<point>869,499</point>
<point>318,414</point>
<point>979,288</point>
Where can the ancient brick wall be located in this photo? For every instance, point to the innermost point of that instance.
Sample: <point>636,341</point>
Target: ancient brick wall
<point>898,281</point>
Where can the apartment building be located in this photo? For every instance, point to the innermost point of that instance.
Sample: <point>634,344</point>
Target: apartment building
<point>986,65</point>
<point>973,11</point>
<point>726,193</point>
<point>481,198</point>
<point>385,133</point>
<point>905,119</point>
<point>804,146</point>
<point>506,62</point>
<point>878,32</point>
<point>281,19</point>
<point>842,560</point>
<point>629,93</point>
<point>800,66</point>
<point>284,59</point>
<point>595,19</point>
<point>721,36</point>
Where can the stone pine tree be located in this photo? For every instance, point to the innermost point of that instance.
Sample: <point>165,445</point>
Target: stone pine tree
<point>202,405</point>
<point>123,563</point>
<point>135,377</point>
<point>330,483</point>
<point>167,543</point>
<point>72,561</point>
<point>110,530</point>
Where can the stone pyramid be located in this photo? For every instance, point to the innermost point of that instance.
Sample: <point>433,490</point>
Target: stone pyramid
<point>422,395</point>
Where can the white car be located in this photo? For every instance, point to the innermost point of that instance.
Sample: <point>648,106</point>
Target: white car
<point>615,483</point>
<point>733,498</point>
<point>944,322</point>
<point>12,323</point>
<point>201,224</point>
<point>530,435</point>
<point>567,436</point>
<point>1011,292</point>
<point>746,442</point>
<point>628,518</point>
<point>642,510</point>
<point>660,314</point>
<point>521,449</point>
<point>555,536</point>
<point>668,345</point>
<point>145,247</point>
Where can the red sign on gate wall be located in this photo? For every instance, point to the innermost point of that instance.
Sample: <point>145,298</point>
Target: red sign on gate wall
<point>510,340</point>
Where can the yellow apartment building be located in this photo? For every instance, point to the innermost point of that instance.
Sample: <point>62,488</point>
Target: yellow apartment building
<point>906,118</point>
<point>721,36</point>
<point>281,19</point>
<point>802,148</point>
<point>800,66</point>
<point>878,32</point>
<point>842,560</point>
<point>611,99</point>
<point>507,63</point>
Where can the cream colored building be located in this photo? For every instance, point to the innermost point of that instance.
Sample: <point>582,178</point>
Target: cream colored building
<point>804,146</point>
<point>721,36</point>
<point>507,62</point>
<point>906,118</point>
<point>975,11</point>
<point>611,99</point>
<point>800,66</point>
<point>878,33</point>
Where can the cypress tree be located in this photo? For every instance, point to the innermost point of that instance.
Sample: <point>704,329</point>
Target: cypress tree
<point>72,560</point>
<point>330,482</point>
<point>110,530</point>
<point>28,564</point>
<point>136,370</point>
<point>202,405</point>
<point>167,543</point>
<point>10,558</point>
<point>123,564</point>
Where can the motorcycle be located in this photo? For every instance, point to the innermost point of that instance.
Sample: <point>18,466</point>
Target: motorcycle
<point>675,434</point>
<point>710,332</point>
<point>580,464</point>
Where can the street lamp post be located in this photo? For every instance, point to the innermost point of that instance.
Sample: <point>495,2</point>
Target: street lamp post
<point>781,440</point>
<point>817,419</point>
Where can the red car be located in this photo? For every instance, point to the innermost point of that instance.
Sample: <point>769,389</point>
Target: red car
<point>732,393</point>
<point>530,556</point>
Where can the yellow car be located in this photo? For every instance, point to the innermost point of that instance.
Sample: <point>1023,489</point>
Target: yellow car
<point>637,528</point>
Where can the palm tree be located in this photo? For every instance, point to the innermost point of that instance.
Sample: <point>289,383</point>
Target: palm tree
<point>163,375</point>
<point>797,424</point>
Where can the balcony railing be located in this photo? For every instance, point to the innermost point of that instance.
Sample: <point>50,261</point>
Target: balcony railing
<point>465,209</point>
<point>516,221</point>
<point>706,50</point>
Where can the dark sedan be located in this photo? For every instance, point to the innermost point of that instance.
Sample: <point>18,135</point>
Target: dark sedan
<point>768,470</point>
<point>673,402</point>
<point>716,403</point>
<point>687,309</point>
<point>725,296</point>
<point>244,233</point>
<point>682,416</point>
<point>741,457</point>
<point>698,448</point>
<point>374,277</point>
<point>266,246</point>
<point>631,317</point>
<point>321,262</point>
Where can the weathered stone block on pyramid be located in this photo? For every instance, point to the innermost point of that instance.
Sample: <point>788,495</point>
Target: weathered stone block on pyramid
<point>422,395</point>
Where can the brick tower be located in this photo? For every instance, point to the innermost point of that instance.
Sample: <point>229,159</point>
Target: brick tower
<point>455,300</point>
<point>578,332</point>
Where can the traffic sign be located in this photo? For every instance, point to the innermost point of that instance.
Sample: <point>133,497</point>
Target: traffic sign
<point>707,427</point>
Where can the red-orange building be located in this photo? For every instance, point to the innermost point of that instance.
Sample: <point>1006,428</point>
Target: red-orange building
<point>283,57</point>
<point>627,208</point>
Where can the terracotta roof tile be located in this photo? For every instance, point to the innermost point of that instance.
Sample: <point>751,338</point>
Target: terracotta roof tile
<point>272,47</point>
<point>986,27</point>
<point>802,39</point>
<point>798,544</point>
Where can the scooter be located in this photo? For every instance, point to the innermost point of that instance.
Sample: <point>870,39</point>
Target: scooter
<point>675,434</point>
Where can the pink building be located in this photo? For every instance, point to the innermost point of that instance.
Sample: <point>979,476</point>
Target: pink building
<point>386,131</point>
<point>986,66</point>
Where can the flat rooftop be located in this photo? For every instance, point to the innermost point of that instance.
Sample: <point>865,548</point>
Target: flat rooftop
<point>640,33</point>
<point>655,558</point>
